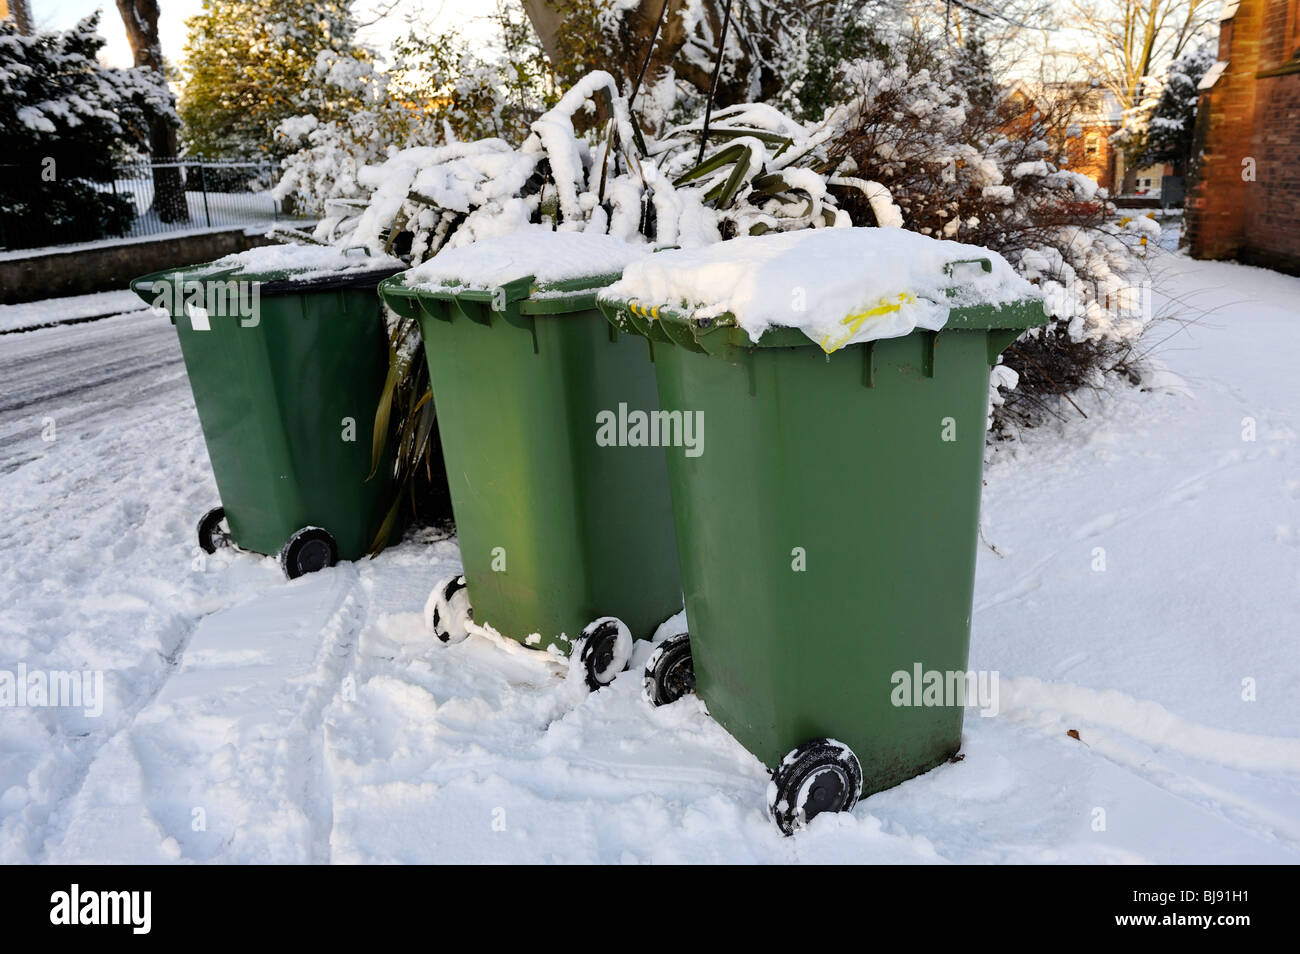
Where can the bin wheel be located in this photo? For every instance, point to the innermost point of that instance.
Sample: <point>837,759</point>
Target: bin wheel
<point>603,650</point>
<point>448,610</point>
<point>214,532</point>
<point>669,672</point>
<point>819,776</point>
<point>308,550</point>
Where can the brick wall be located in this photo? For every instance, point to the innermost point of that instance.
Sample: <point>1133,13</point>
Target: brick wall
<point>1272,227</point>
<point>1250,122</point>
<point>1098,164</point>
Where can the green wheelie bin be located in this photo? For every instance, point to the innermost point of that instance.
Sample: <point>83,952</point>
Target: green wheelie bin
<point>828,531</point>
<point>286,350</point>
<point>565,531</point>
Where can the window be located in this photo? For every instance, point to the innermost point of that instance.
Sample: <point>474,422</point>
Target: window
<point>1090,143</point>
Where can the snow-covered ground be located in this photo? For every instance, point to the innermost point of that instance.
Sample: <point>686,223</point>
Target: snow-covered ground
<point>248,719</point>
<point>60,311</point>
<point>228,209</point>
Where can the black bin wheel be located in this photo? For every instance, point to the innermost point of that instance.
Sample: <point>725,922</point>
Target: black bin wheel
<point>214,533</point>
<point>308,550</point>
<point>448,611</point>
<point>819,776</point>
<point>603,651</point>
<point>669,672</point>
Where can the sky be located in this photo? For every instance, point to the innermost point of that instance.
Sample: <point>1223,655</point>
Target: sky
<point>61,14</point>
<point>465,16</point>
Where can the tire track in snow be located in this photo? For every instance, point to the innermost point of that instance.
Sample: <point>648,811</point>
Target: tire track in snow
<point>1134,723</point>
<point>1151,723</point>
<point>95,744</point>
<point>233,730</point>
<point>61,363</point>
<point>110,388</point>
<point>335,662</point>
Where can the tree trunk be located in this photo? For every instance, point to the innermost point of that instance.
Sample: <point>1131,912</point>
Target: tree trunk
<point>637,26</point>
<point>21,13</point>
<point>547,21</point>
<point>141,20</point>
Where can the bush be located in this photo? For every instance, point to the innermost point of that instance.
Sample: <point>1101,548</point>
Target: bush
<point>922,130</point>
<point>65,121</point>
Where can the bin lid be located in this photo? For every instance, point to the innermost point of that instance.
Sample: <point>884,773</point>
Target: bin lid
<point>285,269</point>
<point>830,287</point>
<point>549,272</point>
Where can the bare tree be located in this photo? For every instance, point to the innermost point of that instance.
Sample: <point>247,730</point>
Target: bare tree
<point>765,37</point>
<point>1128,43</point>
<point>761,38</point>
<point>141,20</point>
<point>1009,29</point>
<point>1131,38</point>
<point>636,28</point>
<point>547,20</point>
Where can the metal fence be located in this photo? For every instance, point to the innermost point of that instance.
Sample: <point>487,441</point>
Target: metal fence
<point>150,198</point>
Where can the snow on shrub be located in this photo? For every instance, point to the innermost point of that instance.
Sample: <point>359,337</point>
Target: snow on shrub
<point>439,89</point>
<point>981,170</point>
<point>585,167</point>
<point>65,121</point>
<point>329,155</point>
<point>907,147</point>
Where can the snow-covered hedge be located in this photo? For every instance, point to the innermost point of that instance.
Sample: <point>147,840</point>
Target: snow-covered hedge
<point>65,120</point>
<point>906,148</point>
<point>982,169</point>
<point>584,167</point>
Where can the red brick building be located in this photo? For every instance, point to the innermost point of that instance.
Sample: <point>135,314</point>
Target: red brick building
<point>1087,116</point>
<point>1245,202</point>
<point>1090,152</point>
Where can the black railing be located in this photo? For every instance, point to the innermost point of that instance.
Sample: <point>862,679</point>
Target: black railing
<point>141,199</point>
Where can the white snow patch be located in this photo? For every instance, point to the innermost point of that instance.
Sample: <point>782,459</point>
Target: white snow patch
<point>54,311</point>
<point>535,250</point>
<point>303,262</point>
<point>838,286</point>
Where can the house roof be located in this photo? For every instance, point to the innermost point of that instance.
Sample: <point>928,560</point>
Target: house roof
<point>1104,109</point>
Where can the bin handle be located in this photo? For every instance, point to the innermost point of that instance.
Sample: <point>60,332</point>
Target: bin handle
<point>984,263</point>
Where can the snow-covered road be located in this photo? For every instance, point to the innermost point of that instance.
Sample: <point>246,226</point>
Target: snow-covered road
<point>248,719</point>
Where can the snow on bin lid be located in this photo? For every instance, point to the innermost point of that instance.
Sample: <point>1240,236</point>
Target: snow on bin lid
<point>304,263</point>
<point>548,257</point>
<point>839,286</point>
